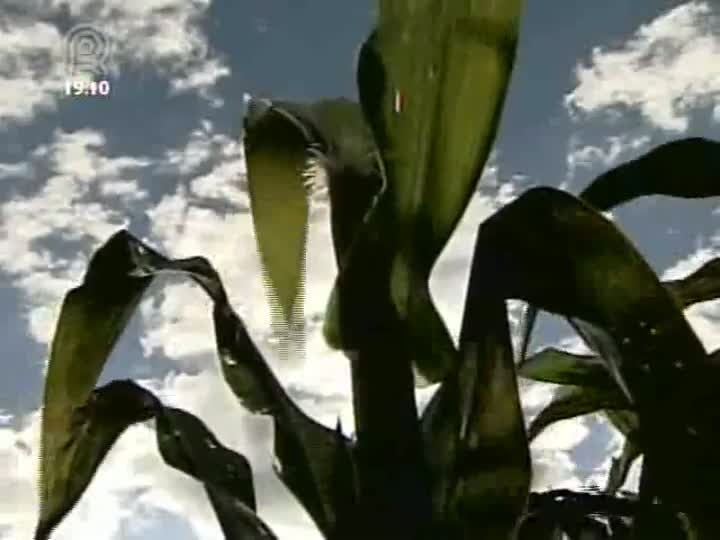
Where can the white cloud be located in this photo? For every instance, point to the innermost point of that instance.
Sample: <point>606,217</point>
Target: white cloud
<point>14,170</point>
<point>125,189</point>
<point>65,208</point>
<point>162,35</point>
<point>553,469</point>
<point>29,85</point>
<point>202,79</point>
<point>204,146</point>
<point>664,70</point>
<point>590,156</point>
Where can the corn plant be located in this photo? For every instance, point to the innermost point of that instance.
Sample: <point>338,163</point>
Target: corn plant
<point>401,166</point>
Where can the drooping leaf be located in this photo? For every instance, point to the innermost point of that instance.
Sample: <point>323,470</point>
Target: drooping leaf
<point>91,320</point>
<point>88,434</point>
<point>277,153</point>
<point>474,428</point>
<point>315,461</point>
<point>572,401</point>
<point>604,283</point>
<point>184,443</point>
<point>348,159</point>
<point>188,445</point>
<point>327,485</point>
<point>687,168</point>
<point>432,79</point>
<point>574,262</point>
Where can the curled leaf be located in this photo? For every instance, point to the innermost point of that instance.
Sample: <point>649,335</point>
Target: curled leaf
<point>92,318</point>
<point>687,168</point>
<point>184,443</point>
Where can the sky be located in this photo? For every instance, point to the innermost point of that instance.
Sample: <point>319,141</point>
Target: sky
<point>595,84</point>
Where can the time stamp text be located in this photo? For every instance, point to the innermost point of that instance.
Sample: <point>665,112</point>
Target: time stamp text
<point>88,52</point>
<point>78,88</point>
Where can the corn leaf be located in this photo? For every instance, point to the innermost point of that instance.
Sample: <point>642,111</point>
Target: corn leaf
<point>474,428</point>
<point>276,154</point>
<point>432,79</point>
<point>188,445</point>
<point>687,168</point>
<point>91,320</point>
<point>572,401</point>
<point>552,365</point>
<point>591,274</point>
<point>184,443</point>
<point>91,430</point>
<point>314,461</point>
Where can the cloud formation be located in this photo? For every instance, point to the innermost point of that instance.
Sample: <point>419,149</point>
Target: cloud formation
<point>163,36</point>
<point>664,70</point>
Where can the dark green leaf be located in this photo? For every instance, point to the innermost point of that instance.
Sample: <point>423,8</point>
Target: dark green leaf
<point>555,366</point>
<point>572,401</point>
<point>584,268</point>
<point>88,434</point>
<point>474,427</point>
<point>686,168</point>
<point>314,460</point>
<point>188,445</point>
<point>92,318</point>
<point>326,485</point>
<point>700,286</point>
<point>184,443</point>
<point>574,262</point>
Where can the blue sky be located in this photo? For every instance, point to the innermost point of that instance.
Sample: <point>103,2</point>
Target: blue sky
<point>595,84</point>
